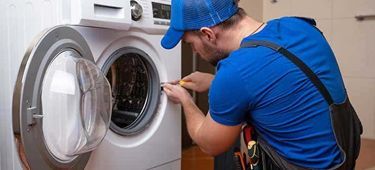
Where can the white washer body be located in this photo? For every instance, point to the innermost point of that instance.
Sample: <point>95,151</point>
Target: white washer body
<point>105,30</point>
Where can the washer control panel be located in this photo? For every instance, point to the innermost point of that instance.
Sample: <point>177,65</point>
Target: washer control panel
<point>151,16</point>
<point>161,12</point>
<point>156,16</point>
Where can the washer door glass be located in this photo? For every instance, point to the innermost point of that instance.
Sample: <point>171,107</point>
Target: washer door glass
<point>76,105</point>
<point>61,101</point>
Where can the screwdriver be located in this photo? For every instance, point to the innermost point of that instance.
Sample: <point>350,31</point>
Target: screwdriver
<point>180,82</point>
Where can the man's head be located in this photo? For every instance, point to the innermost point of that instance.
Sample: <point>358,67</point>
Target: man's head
<point>214,43</point>
<point>199,23</point>
<point>189,15</point>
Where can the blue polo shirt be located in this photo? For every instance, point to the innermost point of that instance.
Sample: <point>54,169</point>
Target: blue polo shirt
<point>262,86</point>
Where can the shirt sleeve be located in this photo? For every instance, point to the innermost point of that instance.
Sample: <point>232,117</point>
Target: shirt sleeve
<point>228,97</point>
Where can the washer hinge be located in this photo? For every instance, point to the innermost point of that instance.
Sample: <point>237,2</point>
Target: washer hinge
<point>32,114</point>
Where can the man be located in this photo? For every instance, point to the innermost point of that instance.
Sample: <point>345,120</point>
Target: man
<point>257,85</point>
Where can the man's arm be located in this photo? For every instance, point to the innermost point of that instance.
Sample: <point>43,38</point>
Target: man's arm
<point>212,137</point>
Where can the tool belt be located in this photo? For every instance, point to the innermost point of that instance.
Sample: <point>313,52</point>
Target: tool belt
<point>346,125</point>
<point>259,155</point>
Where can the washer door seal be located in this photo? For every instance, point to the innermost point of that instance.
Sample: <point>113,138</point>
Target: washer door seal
<point>141,67</point>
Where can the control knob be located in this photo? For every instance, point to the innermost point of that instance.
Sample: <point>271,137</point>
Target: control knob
<point>136,10</point>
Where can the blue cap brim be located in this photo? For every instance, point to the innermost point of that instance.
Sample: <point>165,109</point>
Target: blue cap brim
<point>171,38</point>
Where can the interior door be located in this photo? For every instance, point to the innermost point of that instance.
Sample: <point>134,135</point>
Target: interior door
<point>61,103</point>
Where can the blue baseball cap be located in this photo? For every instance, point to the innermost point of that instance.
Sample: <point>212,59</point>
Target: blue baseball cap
<point>190,15</point>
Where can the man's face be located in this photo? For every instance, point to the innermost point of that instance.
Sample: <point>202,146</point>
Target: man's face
<point>207,49</point>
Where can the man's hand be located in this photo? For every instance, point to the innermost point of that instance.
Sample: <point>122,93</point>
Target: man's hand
<point>197,81</point>
<point>177,94</point>
<point>212,137</point>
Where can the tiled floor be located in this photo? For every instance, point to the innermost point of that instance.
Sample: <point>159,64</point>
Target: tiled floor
<point>193,158</point>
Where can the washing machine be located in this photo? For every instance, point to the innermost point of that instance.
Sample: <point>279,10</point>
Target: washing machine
<point>81,85</point>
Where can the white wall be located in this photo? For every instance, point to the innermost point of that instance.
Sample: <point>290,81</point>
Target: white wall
<point>352,41</point>
<point>253,8</point>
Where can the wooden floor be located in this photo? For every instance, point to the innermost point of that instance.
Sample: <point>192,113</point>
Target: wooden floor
<point>194,159</point>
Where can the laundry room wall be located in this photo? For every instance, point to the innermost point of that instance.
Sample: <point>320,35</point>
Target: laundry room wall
<point>352,41</point>
<point>253,8</point>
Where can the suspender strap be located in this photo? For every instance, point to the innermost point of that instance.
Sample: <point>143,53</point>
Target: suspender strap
<point>298,62</point>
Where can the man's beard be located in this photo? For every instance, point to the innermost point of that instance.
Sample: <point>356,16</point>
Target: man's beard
<point>214,54</point>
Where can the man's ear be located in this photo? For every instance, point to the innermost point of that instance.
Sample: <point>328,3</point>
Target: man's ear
<point>208,34</point>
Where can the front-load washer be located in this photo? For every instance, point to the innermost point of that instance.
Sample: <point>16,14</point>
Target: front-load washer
<point>81,85</point>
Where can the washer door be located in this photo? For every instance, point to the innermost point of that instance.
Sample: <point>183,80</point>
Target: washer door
<point>61,103</point>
